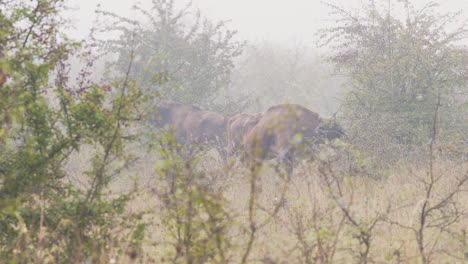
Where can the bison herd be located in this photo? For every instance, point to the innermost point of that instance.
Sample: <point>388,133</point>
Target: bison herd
<point>283,131</point>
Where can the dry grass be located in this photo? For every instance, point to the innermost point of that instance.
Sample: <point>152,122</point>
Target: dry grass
<point>309,213</point>
<point>309,216</point>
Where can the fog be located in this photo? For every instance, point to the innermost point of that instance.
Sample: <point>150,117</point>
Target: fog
<point>233,131</point>
<point>285,32</point>
<point>256,20</point>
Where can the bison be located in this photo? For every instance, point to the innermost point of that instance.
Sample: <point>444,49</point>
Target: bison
<point>285,131</point>
<point>238,127</point>
<point>192,126</point>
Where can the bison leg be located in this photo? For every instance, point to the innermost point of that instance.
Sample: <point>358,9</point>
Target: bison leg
<point>287,159</point>
<point>223,154</point>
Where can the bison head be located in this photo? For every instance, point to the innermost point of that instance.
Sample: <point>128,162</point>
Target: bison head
<point>329,129</point>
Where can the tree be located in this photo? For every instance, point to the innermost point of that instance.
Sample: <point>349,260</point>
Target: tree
<point>44,120</point>
<point>179,54</point>
<point>399,66</point>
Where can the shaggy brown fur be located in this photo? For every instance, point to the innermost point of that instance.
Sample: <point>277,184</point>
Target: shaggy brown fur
<point>282,131</point>
<point>238,127</point>
<point>192,125</point>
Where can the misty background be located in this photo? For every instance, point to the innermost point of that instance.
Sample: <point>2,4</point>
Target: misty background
<point>281,62</point>
<point>256,20</point>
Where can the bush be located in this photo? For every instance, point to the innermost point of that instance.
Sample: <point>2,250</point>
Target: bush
<point>399,67</point>
<point>44,120</point>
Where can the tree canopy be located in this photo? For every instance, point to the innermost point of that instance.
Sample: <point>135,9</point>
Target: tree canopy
<point>178,53</point>
<point>400,66</point>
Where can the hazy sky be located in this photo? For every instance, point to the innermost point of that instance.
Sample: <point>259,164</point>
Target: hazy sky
<point>274,20</point>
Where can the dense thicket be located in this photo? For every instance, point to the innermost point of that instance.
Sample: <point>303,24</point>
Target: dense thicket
<point>401,67</point>
<point>46,217</point>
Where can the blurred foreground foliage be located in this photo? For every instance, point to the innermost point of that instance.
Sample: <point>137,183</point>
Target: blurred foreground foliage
<point>44,120</point>
<point>195,216</point>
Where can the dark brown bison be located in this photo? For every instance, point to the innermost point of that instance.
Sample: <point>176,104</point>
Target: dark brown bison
<point>285,131</point>
<point>192,126</point>
<point>329,130</point>
<point>238,127</point>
